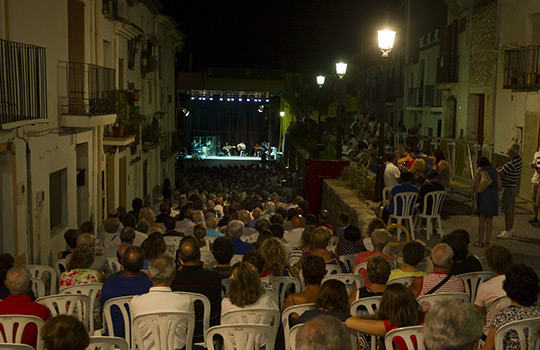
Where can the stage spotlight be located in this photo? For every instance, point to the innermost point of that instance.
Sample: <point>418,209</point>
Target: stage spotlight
<point>228,99</point>
<point>221,98</point>
<point>192,98</point>
<point>267,100</point>
<point>204,98</point>
<point>240,99</point>
<point>247,99</point>
<point>185,111</point>
<point>211,99</point>
<point>232,99</point>
<point>261,108</point>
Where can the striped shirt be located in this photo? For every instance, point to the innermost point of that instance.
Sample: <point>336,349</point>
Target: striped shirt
<point>453,285</point>
<point>512,172</point>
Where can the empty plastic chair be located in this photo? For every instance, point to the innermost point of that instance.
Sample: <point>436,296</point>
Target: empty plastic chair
<point>348,261</point>
<point>432,212</point>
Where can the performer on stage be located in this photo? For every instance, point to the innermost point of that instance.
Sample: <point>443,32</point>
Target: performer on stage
<point>241,147</point>
<point>227,148</point>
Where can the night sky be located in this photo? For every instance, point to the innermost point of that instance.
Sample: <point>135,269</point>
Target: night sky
<point>295,35</point>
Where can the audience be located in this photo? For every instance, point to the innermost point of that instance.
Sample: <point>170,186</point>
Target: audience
<point>99,263</point>
<point>462,262</point>
<point>351,242</point>
<point>379,237</point>
<point>6,263</point>
<point>313,270</point>
<point>235,228</point>
<point>79,269</point>
<point>319,243</point>
<point>323,332</point>
<point>255,258</point>
<point>223,251</point>
<point>305,242</point>
<point>65,332</point>
<point>70,236</point>
<point>331,301</point>
<point>378,270</point>
<point>275,258</point>
<point>413,253</point>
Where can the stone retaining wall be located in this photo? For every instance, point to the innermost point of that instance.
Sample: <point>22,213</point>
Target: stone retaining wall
<point>337,199</point>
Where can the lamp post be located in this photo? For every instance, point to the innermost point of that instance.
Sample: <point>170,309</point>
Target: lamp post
<point>386,43</point>
<point>319,146</point>
<point>341,70</point>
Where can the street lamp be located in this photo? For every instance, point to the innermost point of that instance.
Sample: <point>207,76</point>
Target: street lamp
<point>320,80</point>
<point>341,70</point>
<point>386,43</point>
<point>281,114</point>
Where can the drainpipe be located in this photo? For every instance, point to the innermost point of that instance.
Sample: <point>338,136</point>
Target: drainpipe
<point>29,209</point>
<point>495,76</point>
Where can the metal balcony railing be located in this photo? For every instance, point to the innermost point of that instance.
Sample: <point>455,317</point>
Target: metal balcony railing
<point>23,82</point>
<point>85,89</point>
<point>522,68</point>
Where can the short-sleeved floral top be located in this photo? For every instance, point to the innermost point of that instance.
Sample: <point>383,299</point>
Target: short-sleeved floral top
<point>78,276</point>
<point>510,314</point>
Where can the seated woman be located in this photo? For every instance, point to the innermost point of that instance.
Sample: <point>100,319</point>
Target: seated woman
<point>153,246</point>
<point>521,286</point>
<point>378,271</point>
<point>65,332</point>
<point>462,262</point>
<point>353,242</point>
<point>319,241</point>
<point>413,253</point>
<point>246,290</point>
<point>199,232</point>
<point>398,308</point>
<point>313,270</point>
<point>70,236</point>
<point>275,258</point>
<point>331,301</point>
<point>223,251</point>
<point>305,242</point>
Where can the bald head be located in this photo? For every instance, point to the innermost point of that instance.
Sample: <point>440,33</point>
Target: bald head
<point>244,216</point>
<point>121,250</point>
<point>441,256</point>
<point>298,221</point>
<point>190,253</point>
<point>133,259</point>
<point>85,239</point>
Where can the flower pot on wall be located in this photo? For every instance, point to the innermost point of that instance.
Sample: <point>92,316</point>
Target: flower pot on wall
<point>118,131</point>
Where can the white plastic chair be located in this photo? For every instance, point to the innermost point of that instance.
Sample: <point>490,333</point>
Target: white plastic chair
<point>519,327</point>
<point>200,298</point>
<point>68,304</point>
<point>60,266</point>
<point>498,304</point>
<point>225,284</point>
<point>292,337</point>
<point>282,285</point>
<point>13,346</point>
<point>161,328</point>
<point>385,200</point>
<point>114,264</point>
<point>8,322</point>
<point>245,337</point>
<point>348,261</point>
<point>427,301</point>
<point>407,200</point>
<point>172,240</point>
<point>269,317</point>
<point>332,269</point>
<point>472,280</point>
<point>107,343</point>
<point>92,290</point>
<point>407,280</point>
<point>38,287</point>
<point>359,267</point>
<point>406,333</point>
<point>39,271</point>
<point>236,258</point>
<point>367,306</point>
<point>285,321</point>
<point>432,212</point>
<point>351,280</point>
<point>122,304</point>
<point>333,243</point>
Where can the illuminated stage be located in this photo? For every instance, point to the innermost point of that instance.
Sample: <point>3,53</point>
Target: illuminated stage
<point>212,161</point>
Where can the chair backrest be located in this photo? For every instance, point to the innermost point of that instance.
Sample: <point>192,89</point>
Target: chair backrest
<point>412,336</point>
<point>523,330</point>
<point>200,298</point>
<point>14,326</point>
<point>348,261</point>
<point>114,264</point>
<point>332,269</point>
<point>236,258</point>
<point>38,287</point>
<point>285,320</point>
<point>107,343</point>
<point>248,336</point>
<point>472,280</point>
<point>437,199</point>
<point>122,305</point>
<point>359,267</point>
<point>333,243</point>
<point>225,284</point>
<point>92,290</point>
<point>270,317</point>
<point>498,304</point>
<point>407,201</point>
<point>365,306</point>
<point>351,280</point>
<point>111,239</point>
<point>39,271</point>
<point>68,304</point>
<point>162,328</point>
<point>13,346</point>
<point>427,301</point>
<point>172,240</point>
<point>405,280</point>
<point>60,266</point>
<point>282,285</point>
<point>292,336</point>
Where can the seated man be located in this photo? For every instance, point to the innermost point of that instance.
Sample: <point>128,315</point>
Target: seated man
<point>430,185</point>
<point>323,332</point>
<point>404,186</point>
<point>18,280</point>
<point>235,229</point>
<point>439,281</point>
<point>129,283</point>
<point>161,298</point>
<point>453,325</point>
<point>193,278</point>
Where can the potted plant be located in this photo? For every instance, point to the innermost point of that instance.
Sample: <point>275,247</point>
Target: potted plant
<point>124,112</point>
<point>151,133</point>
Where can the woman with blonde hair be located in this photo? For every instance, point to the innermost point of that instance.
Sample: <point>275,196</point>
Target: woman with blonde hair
<point>246,290</point>
<point>275,258</point>
<point>199,233</point>
<point>319,243</point>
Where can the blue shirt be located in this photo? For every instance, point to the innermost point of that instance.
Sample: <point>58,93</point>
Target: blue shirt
<point>210,232</point>
<point>120,287</point>
<point>241,247</point>
<point>400,188</point>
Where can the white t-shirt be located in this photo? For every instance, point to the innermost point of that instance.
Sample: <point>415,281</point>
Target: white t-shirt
<point>293,237</point>
<point>266,301</point>
<point>536,161</point>
<point>391,174</point>
<point>486,295</point>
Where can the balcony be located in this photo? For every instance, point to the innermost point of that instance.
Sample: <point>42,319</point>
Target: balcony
<point>23,84</point>
<point>432,96</point>
<point>170,144</point>
<point>521,68</point>
<point>86,95</point>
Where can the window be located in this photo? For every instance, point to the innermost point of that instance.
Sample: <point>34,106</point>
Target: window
<point>58,199</point>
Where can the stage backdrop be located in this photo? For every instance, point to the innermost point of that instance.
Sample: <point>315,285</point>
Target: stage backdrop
<point>231,122</point>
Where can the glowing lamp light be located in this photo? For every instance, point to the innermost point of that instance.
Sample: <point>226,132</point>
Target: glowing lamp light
<point>240,99</point>
<point>221,98</point>
<point>248,99</point>
<point>386,41</point>
<point>282,114</point>
<point>320,80</point>
<point>341,69</point>
<point>267,100</point>
<point>192,98</point>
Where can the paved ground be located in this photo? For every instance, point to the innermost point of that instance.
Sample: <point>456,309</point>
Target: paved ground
<point>525,245</point>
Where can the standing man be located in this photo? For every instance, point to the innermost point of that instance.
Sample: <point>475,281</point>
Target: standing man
<point>535,164</point>
<point>510,174</point>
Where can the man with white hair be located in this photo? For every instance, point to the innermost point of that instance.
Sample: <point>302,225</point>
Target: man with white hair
<point>161,298</point>
<point>510,174</point>
<point>269,209</point>
<point>452,325</point>
<point>323,333</point>
<point>211,226</point>
<point>439,281</point>
<point>235,229</point>
<point>19,281</point>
